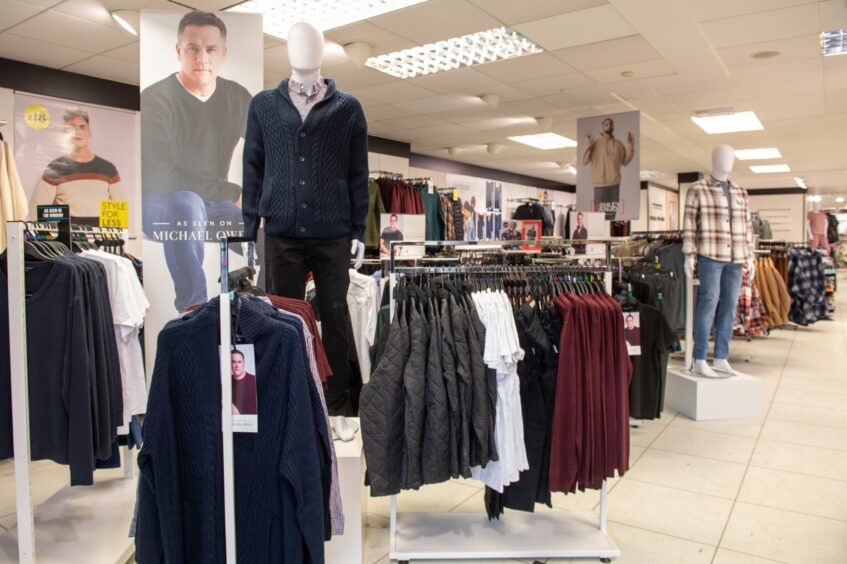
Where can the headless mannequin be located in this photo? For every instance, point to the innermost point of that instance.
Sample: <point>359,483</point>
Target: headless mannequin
<point>723,159</point>
<point>817,224</point>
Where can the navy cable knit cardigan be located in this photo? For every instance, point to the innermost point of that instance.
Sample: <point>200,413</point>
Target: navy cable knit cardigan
<point>307,179</point>
<point>279,501</point>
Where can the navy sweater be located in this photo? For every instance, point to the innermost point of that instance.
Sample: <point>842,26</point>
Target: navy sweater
<point>278,494</point>
<point>307,179</point>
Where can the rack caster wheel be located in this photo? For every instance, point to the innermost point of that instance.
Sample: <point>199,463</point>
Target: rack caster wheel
<point>605,560</point>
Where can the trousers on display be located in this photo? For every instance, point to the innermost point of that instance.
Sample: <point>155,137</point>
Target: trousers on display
<point>289,261</point>
<point>179,220</point>
<point>717,297</point>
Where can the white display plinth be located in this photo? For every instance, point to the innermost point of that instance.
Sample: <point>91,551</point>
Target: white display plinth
<point>349,547</point>
<point>471,536</point>
<point>708,399</point>
<point>81,524</point>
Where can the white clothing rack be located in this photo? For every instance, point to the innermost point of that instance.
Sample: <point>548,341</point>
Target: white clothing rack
<point>468,536</point>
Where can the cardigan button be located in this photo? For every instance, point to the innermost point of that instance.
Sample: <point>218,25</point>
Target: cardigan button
<point>302,183</point>
<point>302,159</point>
<point>302,134</point>
<point>302,230</point>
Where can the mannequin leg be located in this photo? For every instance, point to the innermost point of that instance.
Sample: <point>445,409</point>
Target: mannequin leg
<point>730,286</point>
<point>287,268</point>
<point>708,294</point>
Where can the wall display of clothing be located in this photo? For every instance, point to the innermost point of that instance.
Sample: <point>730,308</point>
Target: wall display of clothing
<point>460,351</point>
<point>534,209</point>
<point>287,499</point>
<point>85,309</point>
<point>761,227</point>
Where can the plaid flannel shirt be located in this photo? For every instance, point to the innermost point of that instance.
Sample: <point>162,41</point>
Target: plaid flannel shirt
<point>709,230</point>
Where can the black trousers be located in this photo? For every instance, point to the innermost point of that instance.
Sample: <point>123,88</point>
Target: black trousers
<point>288,262</point>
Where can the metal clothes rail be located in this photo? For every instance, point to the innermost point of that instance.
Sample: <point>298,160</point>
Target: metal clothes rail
<point>469,536</point>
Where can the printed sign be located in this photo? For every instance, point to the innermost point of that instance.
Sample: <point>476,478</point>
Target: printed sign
<point>114,213</point>
<point>57,212</point>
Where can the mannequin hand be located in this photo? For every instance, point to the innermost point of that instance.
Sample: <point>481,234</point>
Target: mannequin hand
<point>751,269</point>
<point>357,248</point>
<point>689,266</point>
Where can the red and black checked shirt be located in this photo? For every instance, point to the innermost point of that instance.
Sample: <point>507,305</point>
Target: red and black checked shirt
<point>709,230</point>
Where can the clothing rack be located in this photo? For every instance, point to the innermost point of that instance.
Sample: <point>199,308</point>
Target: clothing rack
<point>387,174</point>
<point>519,535</point>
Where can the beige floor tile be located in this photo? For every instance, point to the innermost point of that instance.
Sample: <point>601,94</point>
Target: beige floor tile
<point>801,459</point>
<point>644,435</point>
<point>795,492</point>
<point>724,556</point>
<point>439,498</point>
<point>808,414</point>
<point>706,444</point>
<point>376,539</point>
<point>686,515</point>
<point>812,399</point>
<point>805,434</point>
<point>739,427</point>
<point>635,453</point>
<point>689,473</point>
<point>804,383</point>
<point>785,536</point>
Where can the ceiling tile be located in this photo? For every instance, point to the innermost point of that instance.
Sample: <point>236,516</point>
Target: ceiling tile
<point>276,58</point>
<point>385,112</point>
<point>720,9</point>
<point>128,53</point>
<point>436,20</point>
<point>835,72</point>
<point>497,123</point>
<point>645,69</point>
<point>526,68</point>
<point>41,3</point>
<point>792,49</point>
<point>382,41</point>
<point>833,14</point>
<point>764,26</point>
<point>439,104</point>
<point>414,122</point>
<point>348,77</point>
<point>556,84</point>
<point>615,52</point>
<point>459,81</point>
<point>577,28</point>
<point>511,12</point>
<point>439,130</point>
<point>15,12</point>
<point>35,52</point>
<point>93,11</point>
<point>73,32</point>
<point>110,69</point>
<point>394,92</point>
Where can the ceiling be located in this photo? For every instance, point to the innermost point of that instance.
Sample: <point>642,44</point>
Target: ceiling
<point>686,55</point>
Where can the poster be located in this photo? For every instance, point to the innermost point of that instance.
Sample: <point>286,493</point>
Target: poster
<point>588,225</point>
<point>657,205</point>
<point>672,203</point>
<point>75,154</point>
<point>531,231</point>
<point>785,213</point>
<point>199,71</point>
<point>608,177</point>
<point>401,227</point>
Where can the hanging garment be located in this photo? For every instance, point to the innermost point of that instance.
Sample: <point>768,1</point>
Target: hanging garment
<point>750,314</point>
<point>363,304</point>
<point>375,210</point>
<point>13,201</point>
<point>649,369</point>
<point>807,285</point>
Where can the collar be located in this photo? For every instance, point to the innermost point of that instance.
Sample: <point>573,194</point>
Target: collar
<point>329,83</point>
<point>301,90</point>
<point>713,182</point>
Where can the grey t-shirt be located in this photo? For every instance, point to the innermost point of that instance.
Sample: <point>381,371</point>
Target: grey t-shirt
<point>725,186</point>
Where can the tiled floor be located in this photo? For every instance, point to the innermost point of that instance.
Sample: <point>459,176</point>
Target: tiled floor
<point>725,492</point>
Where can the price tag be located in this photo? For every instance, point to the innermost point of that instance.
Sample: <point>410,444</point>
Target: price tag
<point>37,117</point>
<point>455,195</point>
<point>114,213</point>
<point>430,187</point>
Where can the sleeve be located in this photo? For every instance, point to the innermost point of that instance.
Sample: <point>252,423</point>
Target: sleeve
<point>45,194</point>
<point>357,181</point>
<point>628,153</point>
<point>77,398</point>
<point>162,169</point>
<point>750,246</point>
<point>254,172</point>
<point>691,221</point>
<point>19,209</point>
<point>159,530</point>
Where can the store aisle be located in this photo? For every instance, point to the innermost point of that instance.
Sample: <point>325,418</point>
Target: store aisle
<point>727,492</point>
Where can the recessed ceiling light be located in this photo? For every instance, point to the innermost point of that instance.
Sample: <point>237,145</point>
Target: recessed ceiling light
<point>496,44</point>
<point>834,42</point>
<point>766,54</point>
<point>728,123</point>
<point>765,169</point>
<point>127,19</point>
<point>800,182</point>
<point>280,15</point>
<point>647,174</point>
<point>545,141</point>
<point>839,200</point>
<point>757,154</point>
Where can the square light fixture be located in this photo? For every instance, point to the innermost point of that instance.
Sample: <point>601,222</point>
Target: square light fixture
<point>496,44</point>
<point>648,174</point>
<point>733,122</point>
<point>834,42</point>
<point>280,15</point>
<point>545,141</point>
<point>757,154</point>
<point>765,169</point>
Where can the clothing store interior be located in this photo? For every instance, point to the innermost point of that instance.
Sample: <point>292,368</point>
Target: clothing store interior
<point>401,281</point>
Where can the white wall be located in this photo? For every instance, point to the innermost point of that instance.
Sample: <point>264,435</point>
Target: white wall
<point>7,114</point>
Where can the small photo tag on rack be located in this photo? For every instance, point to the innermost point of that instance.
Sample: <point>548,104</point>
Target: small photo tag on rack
<point>245,396</point>
<point>114,213</point>
<point>632,332</point>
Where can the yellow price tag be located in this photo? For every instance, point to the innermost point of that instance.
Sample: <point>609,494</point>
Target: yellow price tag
<point>114,213</point>
<point>37,117</point>
<point>455,195</point>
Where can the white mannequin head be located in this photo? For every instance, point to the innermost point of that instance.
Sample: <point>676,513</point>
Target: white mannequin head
<point>723,157</point>
<point>305,52</point>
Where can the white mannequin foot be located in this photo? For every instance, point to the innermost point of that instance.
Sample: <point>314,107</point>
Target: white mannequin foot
<point>343,429</point>
<point>722,365</point>
<point>702,368</point>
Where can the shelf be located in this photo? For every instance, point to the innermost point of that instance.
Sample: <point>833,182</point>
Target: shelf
<point>471,536</point>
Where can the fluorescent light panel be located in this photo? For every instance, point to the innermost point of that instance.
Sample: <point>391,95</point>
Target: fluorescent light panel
<point>728,123</point>
<point>645,174</point>
<point>765,169</point>
<point>545,141</point>
<point>834,42</point>
<point>280,15</point>
<point>757,154</point>
<point>496,44</point>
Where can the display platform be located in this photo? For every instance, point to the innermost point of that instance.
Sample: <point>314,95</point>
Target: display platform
<point>82,524</point>
<point>709,399</point>
<point>349,547</point>
<point>471,536</point>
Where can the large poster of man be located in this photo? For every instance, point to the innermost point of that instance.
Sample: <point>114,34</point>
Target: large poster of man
<point>199,71</point>
<point>75,154</point>
<point>608,178</point>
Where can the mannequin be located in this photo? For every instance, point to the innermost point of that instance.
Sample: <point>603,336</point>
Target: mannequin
<point>718,237</point>
<point>818,224</point>
<point>306,176</point>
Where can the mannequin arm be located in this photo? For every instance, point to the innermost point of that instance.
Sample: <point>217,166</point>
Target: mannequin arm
<point>357,249</point>
<point>691,222</point>
<point>254,174</point>
<point>357,180</point>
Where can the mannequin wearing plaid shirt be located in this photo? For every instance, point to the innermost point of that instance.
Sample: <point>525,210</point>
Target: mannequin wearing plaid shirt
<point>717,233</point>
